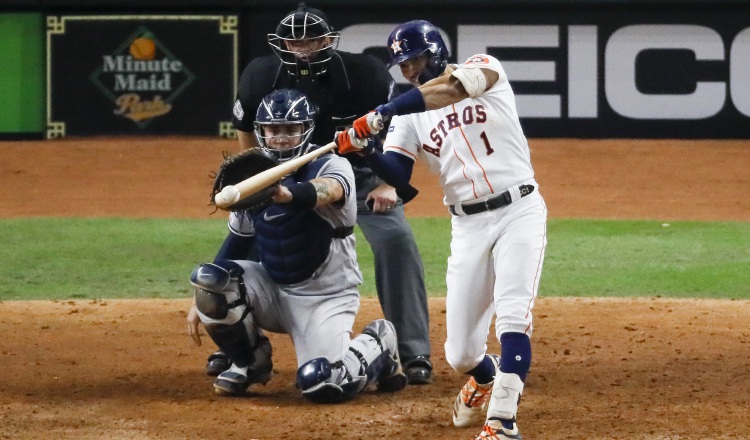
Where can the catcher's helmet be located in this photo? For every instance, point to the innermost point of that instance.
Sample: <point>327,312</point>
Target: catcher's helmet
<point>289,108</point>
<point>304,41</point>
<point>415,38</point>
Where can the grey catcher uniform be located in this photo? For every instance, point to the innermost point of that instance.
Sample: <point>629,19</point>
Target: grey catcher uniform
<point>305,284</point>
<point>343,86</point>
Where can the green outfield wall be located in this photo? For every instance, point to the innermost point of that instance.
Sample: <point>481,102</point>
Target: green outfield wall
<point>22,80</point>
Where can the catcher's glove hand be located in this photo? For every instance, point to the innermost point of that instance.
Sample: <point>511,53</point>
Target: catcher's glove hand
<point>242,166</point>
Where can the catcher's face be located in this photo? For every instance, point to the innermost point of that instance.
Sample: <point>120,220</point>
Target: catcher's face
<point>282,137</point>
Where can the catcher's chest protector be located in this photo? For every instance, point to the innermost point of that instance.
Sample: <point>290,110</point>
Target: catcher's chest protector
<point>292,242</point>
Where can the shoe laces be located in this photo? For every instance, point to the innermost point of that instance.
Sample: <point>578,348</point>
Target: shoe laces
<point>475,395</point>
<point>490,432</point>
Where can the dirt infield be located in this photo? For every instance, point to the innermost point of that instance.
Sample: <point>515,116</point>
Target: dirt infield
<point>603,368</point>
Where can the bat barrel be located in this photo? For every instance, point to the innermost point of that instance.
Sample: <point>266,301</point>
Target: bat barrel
<point>253,184</point>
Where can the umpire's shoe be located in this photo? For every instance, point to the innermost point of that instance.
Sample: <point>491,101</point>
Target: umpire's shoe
<point>418,370</point>
<point>217,363</point>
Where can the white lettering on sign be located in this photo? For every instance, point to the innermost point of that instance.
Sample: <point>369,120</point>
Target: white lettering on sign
<point>624,46</point>
<point>616,60</point>
<point>474,39</point>
<point>739,72</point>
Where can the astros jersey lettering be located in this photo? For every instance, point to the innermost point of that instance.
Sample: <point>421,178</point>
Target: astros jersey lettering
<point>476,145</point>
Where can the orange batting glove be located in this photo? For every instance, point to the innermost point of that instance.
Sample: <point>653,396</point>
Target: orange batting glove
<point>346,142</point>
<point>368,125</point>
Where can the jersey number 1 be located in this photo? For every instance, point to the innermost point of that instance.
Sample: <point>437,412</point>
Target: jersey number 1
<point>486,141</point>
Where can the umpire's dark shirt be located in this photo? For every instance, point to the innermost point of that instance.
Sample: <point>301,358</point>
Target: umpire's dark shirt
<point>353,85</point>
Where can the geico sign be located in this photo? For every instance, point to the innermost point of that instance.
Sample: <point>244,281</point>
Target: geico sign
<point>621,49</point>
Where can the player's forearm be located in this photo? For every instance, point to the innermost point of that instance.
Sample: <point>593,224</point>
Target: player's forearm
<point>327,191</point>
<point>442,91</point>
<point>395,169</point>
<point>437,93</point>
<point>313,194</point>
<point>235,247</point>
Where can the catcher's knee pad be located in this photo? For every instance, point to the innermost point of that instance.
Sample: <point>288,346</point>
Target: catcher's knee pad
<point>323,382</point>
<point>219,292</point>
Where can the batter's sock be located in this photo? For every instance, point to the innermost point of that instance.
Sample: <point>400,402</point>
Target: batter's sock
<point>484,372</point>
<point>516,354</point>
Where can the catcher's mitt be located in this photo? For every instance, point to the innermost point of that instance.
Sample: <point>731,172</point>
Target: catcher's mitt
<point>242,166</point>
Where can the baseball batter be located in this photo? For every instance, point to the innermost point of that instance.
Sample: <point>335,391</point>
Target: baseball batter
<point>305,284</point>
<point>462,120</point>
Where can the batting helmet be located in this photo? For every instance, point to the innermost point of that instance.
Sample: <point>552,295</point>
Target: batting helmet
<point>293,117</point>
<point>304,41</point>
<point>415,38</point>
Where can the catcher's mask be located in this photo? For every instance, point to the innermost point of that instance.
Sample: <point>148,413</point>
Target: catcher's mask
<point>304,41</point>
<point>414,39</point>
<point>284,123</point>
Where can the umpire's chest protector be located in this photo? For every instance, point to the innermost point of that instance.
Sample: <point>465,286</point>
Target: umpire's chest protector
<point>292,242</point>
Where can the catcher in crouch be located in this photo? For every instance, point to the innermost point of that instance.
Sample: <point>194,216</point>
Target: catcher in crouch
<point>305,284</point>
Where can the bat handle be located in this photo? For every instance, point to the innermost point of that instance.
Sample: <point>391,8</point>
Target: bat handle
<point>375,121</point>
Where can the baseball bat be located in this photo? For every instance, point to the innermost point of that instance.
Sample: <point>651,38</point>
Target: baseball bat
<point>232,194</point>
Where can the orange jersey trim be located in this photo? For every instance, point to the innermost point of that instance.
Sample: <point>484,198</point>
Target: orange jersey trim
<point>471,150</point>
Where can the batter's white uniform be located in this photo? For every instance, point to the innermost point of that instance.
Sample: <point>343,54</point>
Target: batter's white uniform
<point>479,150</point>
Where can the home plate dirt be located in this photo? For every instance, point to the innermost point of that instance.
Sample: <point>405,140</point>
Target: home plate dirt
<point>646,368</point>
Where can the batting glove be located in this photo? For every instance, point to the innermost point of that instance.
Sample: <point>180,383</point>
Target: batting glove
<point>348,142</point>
<point>368,125</point>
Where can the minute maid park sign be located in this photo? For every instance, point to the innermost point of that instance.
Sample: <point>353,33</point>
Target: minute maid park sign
<point>142,78</point>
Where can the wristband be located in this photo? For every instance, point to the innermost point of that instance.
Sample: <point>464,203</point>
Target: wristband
<point>410,102</point>
<point>304,195</point>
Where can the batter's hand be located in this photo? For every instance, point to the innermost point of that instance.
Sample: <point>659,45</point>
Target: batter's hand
<point>382,199</point>
<point>368,125</point>
<point>347,142</point>
<point>193,322</point>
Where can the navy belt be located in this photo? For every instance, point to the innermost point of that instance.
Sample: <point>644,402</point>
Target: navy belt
<point>496,202</point>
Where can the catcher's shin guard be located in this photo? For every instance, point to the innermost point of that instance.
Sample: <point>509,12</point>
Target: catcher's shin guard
<point>323,382</point>
<point>236,380</point>
<point>376,353</point>
<point>220,300</point>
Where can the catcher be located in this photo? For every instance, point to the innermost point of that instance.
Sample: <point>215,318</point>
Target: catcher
<point>305,283</point>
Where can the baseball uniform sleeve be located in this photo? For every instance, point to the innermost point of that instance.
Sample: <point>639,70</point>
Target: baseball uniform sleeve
<point>489,62</point>
<point>402,137</point>
<point>241,224</point>
<point>345,212</point>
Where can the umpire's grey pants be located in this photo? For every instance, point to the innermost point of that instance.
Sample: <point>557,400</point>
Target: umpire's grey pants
<point>399,278</point>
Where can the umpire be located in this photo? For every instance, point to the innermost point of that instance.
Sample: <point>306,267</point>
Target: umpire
<point>344,85</point>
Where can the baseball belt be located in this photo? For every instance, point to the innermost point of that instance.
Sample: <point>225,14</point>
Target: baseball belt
<point>497,202</point>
